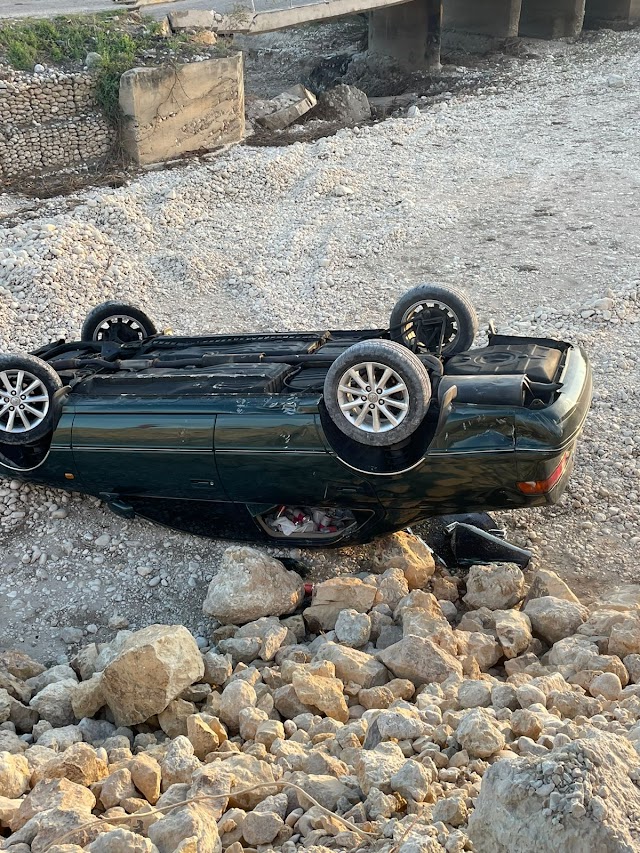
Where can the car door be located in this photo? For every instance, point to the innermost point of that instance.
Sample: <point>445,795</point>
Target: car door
<point>139,446</point>
<point>273,453</point>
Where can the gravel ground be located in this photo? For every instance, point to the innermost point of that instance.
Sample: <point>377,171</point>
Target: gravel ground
<point>525,194</point>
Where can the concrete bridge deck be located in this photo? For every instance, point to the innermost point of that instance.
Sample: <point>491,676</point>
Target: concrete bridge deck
<point>409,31</point>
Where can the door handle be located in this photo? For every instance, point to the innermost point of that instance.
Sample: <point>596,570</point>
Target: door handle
<point>202,484</point>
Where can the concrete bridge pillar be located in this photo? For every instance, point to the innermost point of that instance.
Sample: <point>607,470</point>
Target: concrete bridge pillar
<point>611,13</point>
<point>409,34</point>
<point>496,18</point>
<point>551,19</point>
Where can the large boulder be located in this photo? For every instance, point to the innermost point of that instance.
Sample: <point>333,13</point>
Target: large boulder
<point>54,703</point>
<point>565,812</point>
<point>553,619</point>
<point>479,734</point>
<point>353,665</point>
<point>420,660</point>
<point>514,631</point>
<point>193,821</point>
<point>407,552</point>
<point>333,596</point>
<point>250,584</point>
<point>153,667</point>
<point>498,587</point>
<point>58,793</point>
<point>546,582</point>
<point>346,104</point>
<point>625,636</point>
<point>621,598</point>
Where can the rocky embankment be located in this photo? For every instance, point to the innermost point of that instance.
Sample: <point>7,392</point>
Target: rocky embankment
<point>404,710</point>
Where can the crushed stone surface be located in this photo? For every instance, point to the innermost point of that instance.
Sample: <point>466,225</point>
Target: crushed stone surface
<point>525,194</point>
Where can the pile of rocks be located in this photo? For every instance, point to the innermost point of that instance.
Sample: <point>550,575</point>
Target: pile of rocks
<point>398,710</point>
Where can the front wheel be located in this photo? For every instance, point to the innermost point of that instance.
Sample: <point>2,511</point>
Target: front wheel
<point>377,392</point>
<point>117,322</point>
<point>27,389</point>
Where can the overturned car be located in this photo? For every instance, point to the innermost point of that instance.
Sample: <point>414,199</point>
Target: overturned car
<point>313,438</point>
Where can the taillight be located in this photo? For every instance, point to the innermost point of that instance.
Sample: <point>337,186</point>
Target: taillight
<point>541,487</point>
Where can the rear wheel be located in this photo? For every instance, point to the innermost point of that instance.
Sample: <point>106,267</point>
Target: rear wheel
<point>377,392</point>
<point>117,322</point>
<point>27,389</point>
<point>434,319</point>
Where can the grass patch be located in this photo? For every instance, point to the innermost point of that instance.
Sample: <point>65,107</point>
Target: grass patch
<point>66,41</point>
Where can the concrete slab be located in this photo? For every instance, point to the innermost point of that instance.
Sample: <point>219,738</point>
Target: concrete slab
<point>282,111</point>
<point>186,19</point>
<point>173,111</point>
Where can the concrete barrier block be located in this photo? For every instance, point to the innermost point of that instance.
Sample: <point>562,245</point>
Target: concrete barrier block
<point>187,19</point>
<point>169,112</point>
<point>282,111</point>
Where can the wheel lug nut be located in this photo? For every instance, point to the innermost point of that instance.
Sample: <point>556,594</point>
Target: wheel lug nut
<point>368,388</point>
<point>371,406</point>
<point>365,399</point>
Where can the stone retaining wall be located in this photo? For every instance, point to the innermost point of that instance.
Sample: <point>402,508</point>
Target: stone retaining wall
<point>50,122</point>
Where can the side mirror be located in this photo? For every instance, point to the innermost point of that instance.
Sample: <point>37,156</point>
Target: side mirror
<point>118,506</point>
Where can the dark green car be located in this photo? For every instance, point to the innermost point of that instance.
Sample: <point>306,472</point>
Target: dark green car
<point>317,438</point>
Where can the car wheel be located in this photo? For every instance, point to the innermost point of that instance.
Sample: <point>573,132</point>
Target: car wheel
<point>430,318</point>
<point>377,392</point>
<point>117,322</point>
<point>27,388</point>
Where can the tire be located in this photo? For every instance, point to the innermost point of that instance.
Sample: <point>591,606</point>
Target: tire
<point>27,389</point>
<point>451,306</point>
<point>117,322</point>
<point>344,393</point>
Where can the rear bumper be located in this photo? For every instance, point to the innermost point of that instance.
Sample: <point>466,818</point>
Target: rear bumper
<point>557,427</point>
<point>546,439</point>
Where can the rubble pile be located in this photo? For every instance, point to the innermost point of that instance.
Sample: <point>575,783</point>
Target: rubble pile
<point>405,709</point>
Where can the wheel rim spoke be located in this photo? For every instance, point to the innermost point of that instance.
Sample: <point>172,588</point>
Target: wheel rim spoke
<point>357,379</point>
<point>391,418</point>
<point>385,377</point>
<point>397,404</point>
<point>10,420</point>
<point>352,405</point>
<point>31,410</point>
<point>397,389</point>
<point>376,419</point>
<point>371,375</point>
<point>6,383</point>
<point>32,387</point>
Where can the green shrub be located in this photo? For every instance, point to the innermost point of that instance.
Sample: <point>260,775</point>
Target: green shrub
<point>68,40</point>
